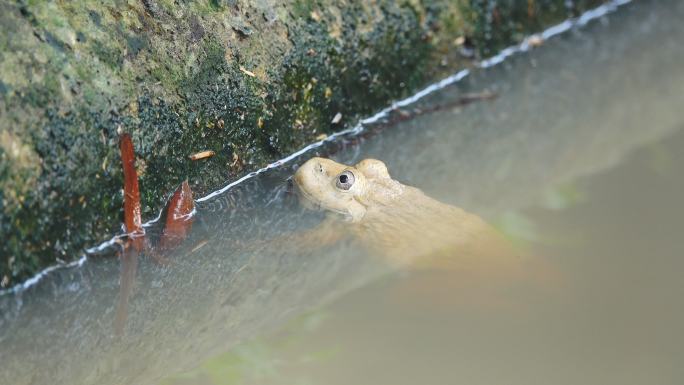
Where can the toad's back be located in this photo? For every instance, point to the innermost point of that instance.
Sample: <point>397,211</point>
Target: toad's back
<point>414,225</point>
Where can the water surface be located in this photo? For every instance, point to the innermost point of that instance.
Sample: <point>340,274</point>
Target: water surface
<point>613,316</point>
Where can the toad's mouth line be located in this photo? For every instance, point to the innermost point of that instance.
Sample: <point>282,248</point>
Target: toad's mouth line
<point>307,199</point>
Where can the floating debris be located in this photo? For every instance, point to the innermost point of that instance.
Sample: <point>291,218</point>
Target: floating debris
<point>202,155</point>
<point>199,245</point>
<point>321,137</point>
<point>400,115</point>
<point>535,41</point>
<point>337,118</point>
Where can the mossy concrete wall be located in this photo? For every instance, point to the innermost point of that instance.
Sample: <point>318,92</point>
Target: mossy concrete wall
<point>251,80</point>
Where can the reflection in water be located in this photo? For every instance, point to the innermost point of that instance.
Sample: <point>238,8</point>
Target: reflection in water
<point>571,108</point>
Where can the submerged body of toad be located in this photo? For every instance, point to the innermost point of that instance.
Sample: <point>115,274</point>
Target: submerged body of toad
<point>388,217</point>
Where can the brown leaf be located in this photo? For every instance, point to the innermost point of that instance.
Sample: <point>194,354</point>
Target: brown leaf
<point>179,218</point>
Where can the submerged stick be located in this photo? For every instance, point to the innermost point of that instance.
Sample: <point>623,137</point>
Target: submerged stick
<point>129,269</point>
<point>132,210</point>
<point>464,100</point>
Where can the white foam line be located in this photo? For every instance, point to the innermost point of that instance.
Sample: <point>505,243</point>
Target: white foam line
<point>106,244</point>
<point>557,29</point>
<point>524,46</point>
<point>36,278</point>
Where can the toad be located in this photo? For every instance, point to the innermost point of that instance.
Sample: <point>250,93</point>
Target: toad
<point>387,217</point>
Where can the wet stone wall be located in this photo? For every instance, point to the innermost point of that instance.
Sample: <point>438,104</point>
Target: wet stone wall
<point>250,80</point>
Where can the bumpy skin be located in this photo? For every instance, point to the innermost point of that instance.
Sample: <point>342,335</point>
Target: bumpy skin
<point>388,217</point>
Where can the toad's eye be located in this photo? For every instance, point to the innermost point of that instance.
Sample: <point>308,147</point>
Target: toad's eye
<point>345,180</point>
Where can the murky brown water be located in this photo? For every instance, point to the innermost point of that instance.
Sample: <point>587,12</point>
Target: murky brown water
<point>578,161</point>
<point>613,315</point>
<point>609,223</point>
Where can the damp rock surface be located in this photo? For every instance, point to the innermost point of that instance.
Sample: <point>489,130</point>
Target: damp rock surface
<point>251,80</point>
